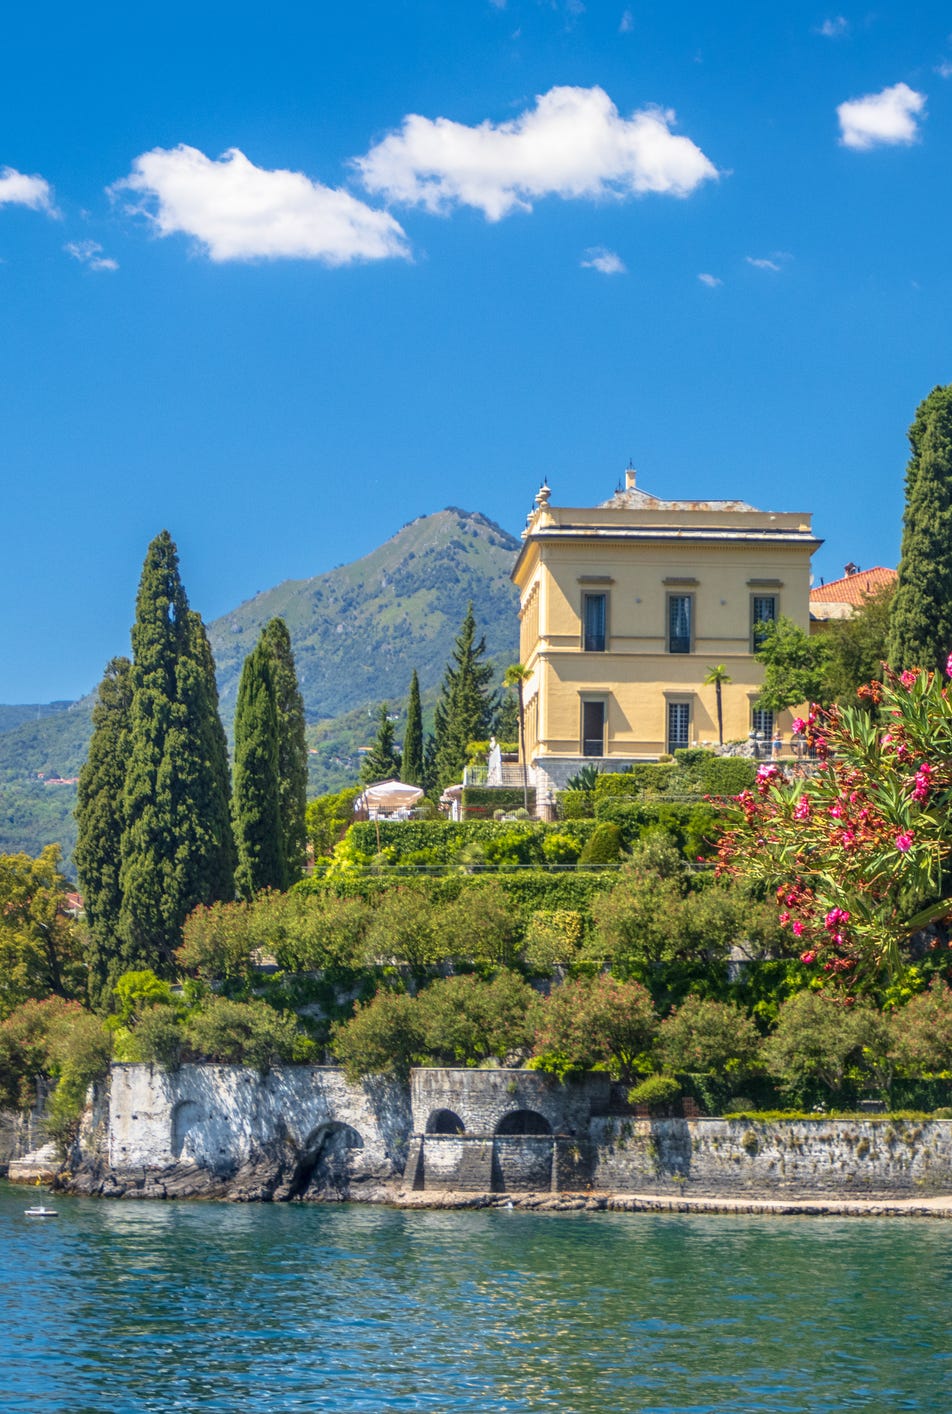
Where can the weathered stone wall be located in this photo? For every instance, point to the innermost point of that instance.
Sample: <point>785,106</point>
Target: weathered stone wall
<point>304,1131</point>
<point>217,1116</point>
<point>481,1098</point>
<point>724,1157</point>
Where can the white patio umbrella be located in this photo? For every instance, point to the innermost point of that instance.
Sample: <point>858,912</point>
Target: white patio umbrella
<point>387,796</point>
<point>384,798</point>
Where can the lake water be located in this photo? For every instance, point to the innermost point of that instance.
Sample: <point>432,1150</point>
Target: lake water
<point>125,1306</point>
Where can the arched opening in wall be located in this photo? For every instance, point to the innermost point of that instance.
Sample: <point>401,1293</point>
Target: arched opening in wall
<point>326,1159</point>
<point>524,1122</point>
<point>445,1122</point>
<point>185,1116</point>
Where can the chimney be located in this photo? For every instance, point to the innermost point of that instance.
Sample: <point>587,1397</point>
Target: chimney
<point>850,569</point>
<point>631,477</point>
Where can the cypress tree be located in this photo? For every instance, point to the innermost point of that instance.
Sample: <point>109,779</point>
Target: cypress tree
<point>464,707</point>
<point>256,802</point>
<point>920,623</point>
<point>382,762</point>
<point>413,771</point>
<point>292,748</point>
<point>177,848</point>
<point>99,819</point>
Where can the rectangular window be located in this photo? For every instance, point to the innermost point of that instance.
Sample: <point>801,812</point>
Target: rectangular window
<point>593,728</point>
<point>763,610</point>
<point>761,723</point>
<point>594,620</point>
<point>680,612</point>
<point>679,725</point>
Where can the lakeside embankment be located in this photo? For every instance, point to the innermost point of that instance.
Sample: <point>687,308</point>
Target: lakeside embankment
<point>467,1138</point>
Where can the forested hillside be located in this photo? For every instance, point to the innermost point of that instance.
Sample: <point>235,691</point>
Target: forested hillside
<point>357,631</point>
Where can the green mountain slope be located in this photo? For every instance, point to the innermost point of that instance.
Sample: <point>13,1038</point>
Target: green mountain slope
<point>360,630</point>
<point>357,631</point>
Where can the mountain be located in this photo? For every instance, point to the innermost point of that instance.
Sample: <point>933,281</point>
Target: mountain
<point>358,632</point>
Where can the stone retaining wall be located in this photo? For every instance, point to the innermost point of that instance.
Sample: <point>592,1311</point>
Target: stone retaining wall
<point>732,1157</point>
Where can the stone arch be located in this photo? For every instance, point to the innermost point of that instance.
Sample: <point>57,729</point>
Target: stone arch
<point>445,1122</point>
<point>325,1162</point>
<point>523,1122</point>
<point>185,1116</point>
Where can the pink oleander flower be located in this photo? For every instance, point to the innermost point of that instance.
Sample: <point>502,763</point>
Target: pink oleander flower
<point>801,811</point>
<point>904,841</point>
<point>834,918</point>
<point>809,957</point>
<point>797,928</point>
<point>885,741</point>
<point>784,918</point>
<point>908,677</point>
<point>836,810</point>
<point>800,726</point>
<point>848,839</point>
<point>922,784</point>
<point>948,666</point>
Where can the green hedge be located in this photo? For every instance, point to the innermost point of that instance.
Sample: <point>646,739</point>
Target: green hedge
<point>481,802</point>
<point>641,776</point>
<point>431,843</point>
<point>529,889</point>
<point>692,825</point>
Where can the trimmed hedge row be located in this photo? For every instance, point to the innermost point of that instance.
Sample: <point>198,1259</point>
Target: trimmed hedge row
<point>481,802</point>
<point>530,890</point>
<point>435,842</point>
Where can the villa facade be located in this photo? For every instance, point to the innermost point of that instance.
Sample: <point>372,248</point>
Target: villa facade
<point>626,607</point>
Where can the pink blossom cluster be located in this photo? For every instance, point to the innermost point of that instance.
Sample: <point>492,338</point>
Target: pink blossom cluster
<point>922,784</point>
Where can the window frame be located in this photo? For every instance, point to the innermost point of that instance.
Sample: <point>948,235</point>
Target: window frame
<point>757,639</point>
<point>668,637</point>
<point>593,700</point>
<point>588,594</point>
<point>671,703</point>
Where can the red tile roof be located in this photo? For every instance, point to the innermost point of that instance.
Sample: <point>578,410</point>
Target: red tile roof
<point>854,588</point>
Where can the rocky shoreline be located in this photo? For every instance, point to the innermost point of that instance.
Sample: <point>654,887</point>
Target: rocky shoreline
<point>267,1178</point>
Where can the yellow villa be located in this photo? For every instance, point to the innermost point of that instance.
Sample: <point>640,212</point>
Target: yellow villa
<point>627,606</point>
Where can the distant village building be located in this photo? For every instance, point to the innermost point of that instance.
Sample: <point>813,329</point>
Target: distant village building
<point>842,597</point>
<point>627,606</point>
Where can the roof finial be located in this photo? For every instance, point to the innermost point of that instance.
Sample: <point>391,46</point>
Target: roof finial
<point>542,495</point>
<point>631,476</point>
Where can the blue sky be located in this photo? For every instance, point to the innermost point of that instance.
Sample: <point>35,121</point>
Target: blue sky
<point>282,278</point>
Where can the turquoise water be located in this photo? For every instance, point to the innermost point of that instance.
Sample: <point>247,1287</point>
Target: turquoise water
<point>123,1306</point>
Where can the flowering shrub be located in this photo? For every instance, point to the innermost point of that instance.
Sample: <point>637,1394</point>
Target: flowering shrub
<point>856,852</point>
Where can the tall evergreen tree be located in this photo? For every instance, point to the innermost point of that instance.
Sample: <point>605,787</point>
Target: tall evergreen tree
<point>464,707</point>
<point>920,628</point>
<point>413,770</point>
<point>292,748</point>
<point>177,848</point>
<point>256,799</point>
<point>99,820</point>
<point>382,762</point>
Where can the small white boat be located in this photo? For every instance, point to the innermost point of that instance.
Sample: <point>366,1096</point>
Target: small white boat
<point>40,1212</point>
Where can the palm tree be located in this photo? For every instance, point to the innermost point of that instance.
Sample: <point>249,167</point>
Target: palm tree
<point>515,675</point>
<point>716,678</point>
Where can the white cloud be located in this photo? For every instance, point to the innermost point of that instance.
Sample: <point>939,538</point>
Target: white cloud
<point>760,262</point>
<point>606,262</point>
<point>944,69</point>
<point>627,23</point>
<point>572,143</point>
<point>881,118</point>
<point>711,281</point>
<point>238,211</point>
<point>833,28</point>
<point>90,253</point>
<point>16,189</point>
